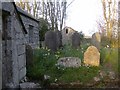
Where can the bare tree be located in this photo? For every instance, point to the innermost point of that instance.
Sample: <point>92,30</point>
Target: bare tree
<point>53,11</point>
<point>101,27</point>
<point>109,13</point>
<point>31,8</point>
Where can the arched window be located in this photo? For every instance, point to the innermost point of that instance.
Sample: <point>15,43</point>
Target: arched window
<point>31,34</point>
<point>66,31</point>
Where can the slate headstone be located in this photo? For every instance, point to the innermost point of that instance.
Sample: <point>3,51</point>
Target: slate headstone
<point>51,40</point>
<point>29,56</point>
<point>96,40</point>
<point>59,38</point>
<point>76,40</point>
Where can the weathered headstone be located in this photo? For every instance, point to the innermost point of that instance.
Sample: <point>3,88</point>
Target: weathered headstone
<point>92,56</point>
<point>69,62</point>
<point>96,40</point>
<point>76,40</point>
<point>51,40</point>
<point>29,56</point>
<point>59,38</point>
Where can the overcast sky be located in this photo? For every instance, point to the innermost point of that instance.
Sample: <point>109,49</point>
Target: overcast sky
<point>83,14</point>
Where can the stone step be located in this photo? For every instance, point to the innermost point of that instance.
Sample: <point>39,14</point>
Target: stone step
<point>29,85</point>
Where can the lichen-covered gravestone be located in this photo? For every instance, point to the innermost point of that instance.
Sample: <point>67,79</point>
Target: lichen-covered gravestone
<point>51,40</point>
<point>76,40</point>
<point>29,56</point>
<point>69,62</point>
<point>92,56</point>
<point>96,40</point>
<point>59,38</point>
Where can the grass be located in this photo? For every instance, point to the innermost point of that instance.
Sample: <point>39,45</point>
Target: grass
<point>82,74</point>
<point>45,64</point>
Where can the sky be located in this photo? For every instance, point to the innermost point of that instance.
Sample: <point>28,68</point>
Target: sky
<point>83,14</point>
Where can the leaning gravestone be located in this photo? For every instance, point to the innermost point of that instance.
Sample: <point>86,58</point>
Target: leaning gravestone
<point>96,40</point>
<point>51,40</point>
<point>59,38</point>
<point>92,56</point>
<point>76,40</point>
<point>69,62</point>
<point>29,56</point>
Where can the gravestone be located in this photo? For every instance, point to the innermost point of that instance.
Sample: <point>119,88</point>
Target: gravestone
<point>51,40</point>
<point>29,56</point>
<point>69,62</point>
<point>59,38</point>
<point>92,56</point>
<point>96,40</point>
<point>76,40</point>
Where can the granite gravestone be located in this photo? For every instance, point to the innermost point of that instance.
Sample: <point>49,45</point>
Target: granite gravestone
<point>96,40</point>
<point>51,40</point>
<point>76,40</point>
<point>59,38</point>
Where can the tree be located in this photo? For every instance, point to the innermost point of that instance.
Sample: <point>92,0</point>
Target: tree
<point>108,26</point>
<point>43,27</point>
<point>101,27</point>
<point>31,8</point>
<point>109,13</point>
<point>54,11</point>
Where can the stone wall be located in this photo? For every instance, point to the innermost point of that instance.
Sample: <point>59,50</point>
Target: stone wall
<point>35,38</point>
<point>14,62</point>
<point>67,36</point>
<point>13,49</point>
<point>0,47</point>
<point>28,21</point>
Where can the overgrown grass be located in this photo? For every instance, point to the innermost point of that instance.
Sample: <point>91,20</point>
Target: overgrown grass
<point>109,58</point>
<point>45,64</point>
<point>82,74</point>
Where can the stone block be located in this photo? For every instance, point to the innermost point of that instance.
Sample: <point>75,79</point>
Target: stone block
<point>29,85</point>
<point>69,62</point>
